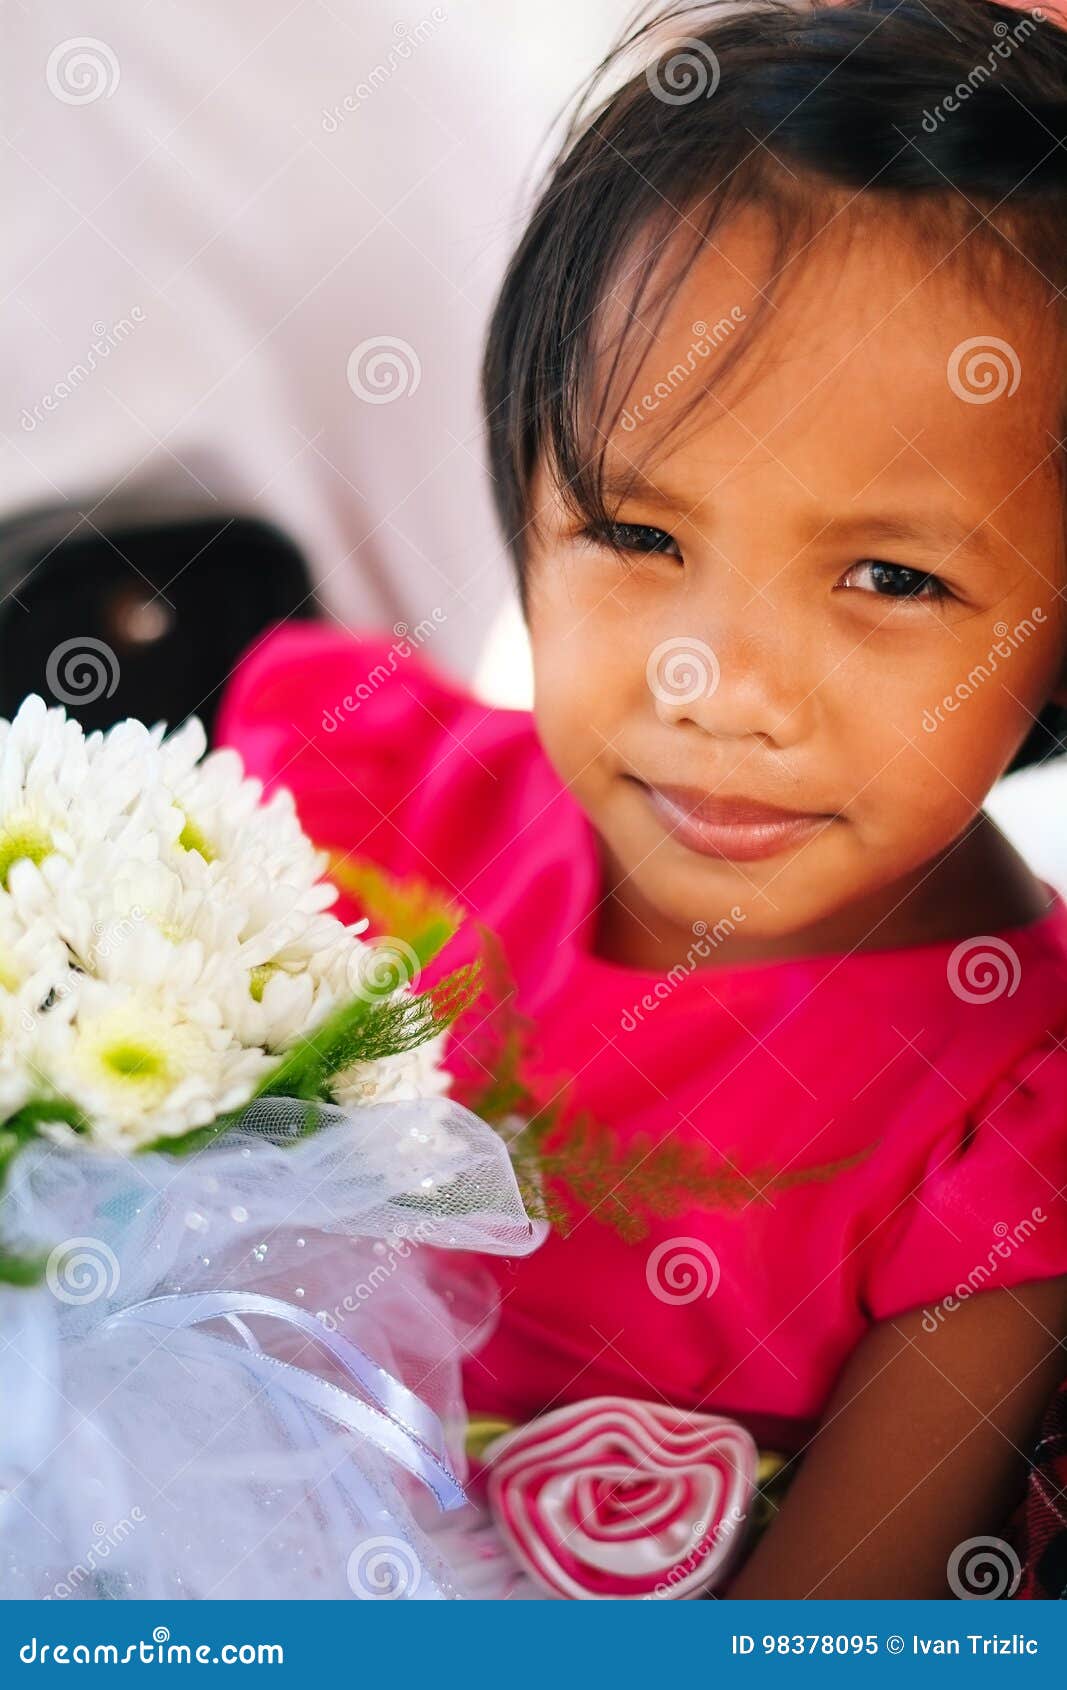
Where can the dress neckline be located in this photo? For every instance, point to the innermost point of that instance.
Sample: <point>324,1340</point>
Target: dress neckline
<point>1048,928</point>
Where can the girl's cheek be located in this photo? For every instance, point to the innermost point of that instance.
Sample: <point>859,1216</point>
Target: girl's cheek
<point>953,754</point>
<point>588,669</point>
<point>573,709</point>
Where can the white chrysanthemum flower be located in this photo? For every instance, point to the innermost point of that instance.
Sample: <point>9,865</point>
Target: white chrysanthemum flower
<point>164,933</point>
<point>227,819</point>
<point>34,962</point>
<point>61,793</point>
<point>295,988</point>
<point>395,1079</point>
<point>137,923</point>
<point>43,757</point>
<point>139,1069</point>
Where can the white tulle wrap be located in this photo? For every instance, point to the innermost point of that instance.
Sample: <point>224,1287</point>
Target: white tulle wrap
<point>240,1375</point>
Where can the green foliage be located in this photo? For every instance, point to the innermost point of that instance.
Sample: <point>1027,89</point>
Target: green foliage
<point>410,910</point>
<point>568,1164</point>
<point>24,1125</point>
<point>364,1030</point>
<point>17,1131</point>
<point>624,1185</point>
<point>21,1270</point>
<point>371,1027</point>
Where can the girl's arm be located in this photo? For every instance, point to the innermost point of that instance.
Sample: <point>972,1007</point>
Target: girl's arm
<point>924,1446</point>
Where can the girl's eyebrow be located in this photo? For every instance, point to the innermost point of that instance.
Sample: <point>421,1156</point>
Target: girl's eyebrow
<point>630,483</point>
<point>944,532</point>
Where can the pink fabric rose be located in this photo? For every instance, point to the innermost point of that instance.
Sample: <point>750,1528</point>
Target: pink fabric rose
<point>617,1498</point>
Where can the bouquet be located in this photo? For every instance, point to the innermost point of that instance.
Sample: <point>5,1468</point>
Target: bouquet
<point>229,1169</point>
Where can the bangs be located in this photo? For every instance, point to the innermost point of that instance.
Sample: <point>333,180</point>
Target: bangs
<point>819,117</point>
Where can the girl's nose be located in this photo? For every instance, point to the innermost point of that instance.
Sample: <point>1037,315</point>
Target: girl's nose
<point>739,687</point>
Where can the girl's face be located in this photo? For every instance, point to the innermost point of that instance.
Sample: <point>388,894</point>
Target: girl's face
<point>840,609</point>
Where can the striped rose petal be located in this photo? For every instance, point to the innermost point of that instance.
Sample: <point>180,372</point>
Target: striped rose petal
<point>616,1498</point>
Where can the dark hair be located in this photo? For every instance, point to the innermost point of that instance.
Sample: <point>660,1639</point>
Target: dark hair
<point>954,111</point>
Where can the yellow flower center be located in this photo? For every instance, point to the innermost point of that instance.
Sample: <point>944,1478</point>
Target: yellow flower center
<point>138,1055</point>
<point>128,1060</point>
<point>192,839</point>
<point>22,840</point>
<point>257,982</point>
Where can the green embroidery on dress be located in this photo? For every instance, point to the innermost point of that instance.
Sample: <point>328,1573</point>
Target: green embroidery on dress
<point>567,1165</point>
<point>568,1168</point>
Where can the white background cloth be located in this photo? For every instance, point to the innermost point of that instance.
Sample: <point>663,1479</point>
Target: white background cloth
<point>229,231</point>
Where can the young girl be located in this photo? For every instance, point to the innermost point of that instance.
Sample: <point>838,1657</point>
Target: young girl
<point>775,402</point>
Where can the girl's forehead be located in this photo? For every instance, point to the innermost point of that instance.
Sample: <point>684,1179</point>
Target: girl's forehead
<point>860,353</point>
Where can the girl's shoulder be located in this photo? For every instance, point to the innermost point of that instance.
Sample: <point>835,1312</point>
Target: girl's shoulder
<point>980,1202</point>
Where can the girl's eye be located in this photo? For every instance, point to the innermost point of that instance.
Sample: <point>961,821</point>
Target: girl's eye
<point>632,537</point>
<point>894,580</point>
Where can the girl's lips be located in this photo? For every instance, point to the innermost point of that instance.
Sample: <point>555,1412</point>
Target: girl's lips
<point>742,830</point>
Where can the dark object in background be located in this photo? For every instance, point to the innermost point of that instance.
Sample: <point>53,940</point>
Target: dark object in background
<point>143,618</point>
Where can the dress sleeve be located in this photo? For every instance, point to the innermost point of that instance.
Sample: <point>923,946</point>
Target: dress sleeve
<point>356,727</point>
<point>989,1208</point>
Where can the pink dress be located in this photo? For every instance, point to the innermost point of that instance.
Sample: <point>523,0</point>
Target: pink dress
<point>891,1126</point>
